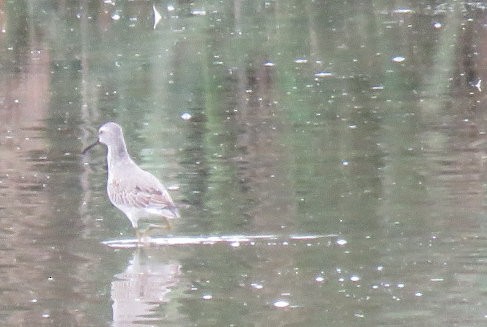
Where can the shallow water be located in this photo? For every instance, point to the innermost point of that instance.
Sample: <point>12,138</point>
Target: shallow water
<point>328,159</point>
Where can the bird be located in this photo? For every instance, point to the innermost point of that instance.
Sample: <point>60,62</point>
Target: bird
<point>134,191</point>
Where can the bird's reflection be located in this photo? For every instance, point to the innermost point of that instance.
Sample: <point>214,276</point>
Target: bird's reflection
<point>138,291</point>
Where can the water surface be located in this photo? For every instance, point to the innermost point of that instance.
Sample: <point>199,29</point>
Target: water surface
<point>328,158</point>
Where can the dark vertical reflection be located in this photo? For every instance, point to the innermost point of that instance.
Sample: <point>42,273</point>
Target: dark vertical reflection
<point>40,169</point>
<point>39,219</point>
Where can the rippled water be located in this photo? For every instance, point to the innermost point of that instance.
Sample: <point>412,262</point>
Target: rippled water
<point>328,159</point>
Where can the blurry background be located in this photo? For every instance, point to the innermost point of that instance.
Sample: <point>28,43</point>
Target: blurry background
<point>362,122</point>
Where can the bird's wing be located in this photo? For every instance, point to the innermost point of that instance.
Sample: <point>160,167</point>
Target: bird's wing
<point>145,191</point>
<point>155,198</point>
<point>151,197</point>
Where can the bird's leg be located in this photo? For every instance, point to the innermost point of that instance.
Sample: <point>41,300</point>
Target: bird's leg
<point>139,235</point>
<point>168,224</point>
<point>142,236</point>
<point>165,226</point>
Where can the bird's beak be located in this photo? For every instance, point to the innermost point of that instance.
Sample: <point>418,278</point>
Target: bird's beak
<point>88,148</point>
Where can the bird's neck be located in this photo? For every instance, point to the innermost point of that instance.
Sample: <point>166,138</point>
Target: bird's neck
<point>117,154</point>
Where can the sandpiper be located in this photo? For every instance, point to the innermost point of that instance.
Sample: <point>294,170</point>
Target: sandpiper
<point>136,192</point>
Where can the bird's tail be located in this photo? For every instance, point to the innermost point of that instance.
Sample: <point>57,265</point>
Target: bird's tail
<point>175,212</point>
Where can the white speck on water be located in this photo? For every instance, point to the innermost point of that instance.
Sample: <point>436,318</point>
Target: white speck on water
<point>437,25</point>
<point>400,285</point>
<point>269,64</point>
<point>320,279</point>
<point>301,61</point>
<point>403,11</point>
<point>170,8</point>
<point>345,163</point>
<point>115,16</point>
<point>437,279</point>
<point>324,74</point>
<point>45,315</point>
<point>380,268</point>
<point>157,16</point>
<point>281,304</point>
<point>257,286</point>
<point>478,85</point>
<point>186,116</point>
<point>341,241</point>
<point>398,59</point>
<point>173,187</point>
<point>418,294</point>
<point>235,244</point>
<point>198,12</point>
<point>355,278</point>
<point>207,297</point>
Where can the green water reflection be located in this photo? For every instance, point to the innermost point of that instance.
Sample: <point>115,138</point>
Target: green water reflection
<point>361,122</point>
